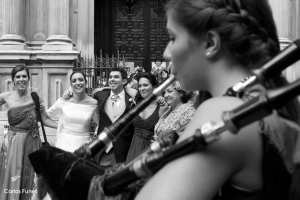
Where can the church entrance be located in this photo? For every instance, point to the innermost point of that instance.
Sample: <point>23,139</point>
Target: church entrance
<point>133,29</point>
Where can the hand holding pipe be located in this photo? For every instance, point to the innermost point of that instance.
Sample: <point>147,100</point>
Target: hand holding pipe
<point>251,111</point>
<point>272,68</point>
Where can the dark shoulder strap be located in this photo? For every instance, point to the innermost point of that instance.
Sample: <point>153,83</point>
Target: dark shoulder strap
<point>36,101</point>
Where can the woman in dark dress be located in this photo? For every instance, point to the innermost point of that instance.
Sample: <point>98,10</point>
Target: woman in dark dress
<point>145,122</point>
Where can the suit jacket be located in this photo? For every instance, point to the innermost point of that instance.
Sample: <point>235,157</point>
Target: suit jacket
<point>122,144</point>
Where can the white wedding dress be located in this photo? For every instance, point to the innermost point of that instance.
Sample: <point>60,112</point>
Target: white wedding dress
<point>73,130</point>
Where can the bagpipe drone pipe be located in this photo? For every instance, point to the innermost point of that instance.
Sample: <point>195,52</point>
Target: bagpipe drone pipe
<point>271,69</point>
<point>68,175</point>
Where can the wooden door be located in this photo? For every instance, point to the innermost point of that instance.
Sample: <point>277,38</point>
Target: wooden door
<point>135,28</point>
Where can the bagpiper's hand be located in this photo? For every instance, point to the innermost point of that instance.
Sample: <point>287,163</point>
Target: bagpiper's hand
<point>67,95</point>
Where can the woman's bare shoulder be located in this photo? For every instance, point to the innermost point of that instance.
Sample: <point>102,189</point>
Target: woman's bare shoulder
<point>227,156</point>
<point>229,143</point>
<point>212,109</point>
<point>132,92</point>
<point>5,94</point>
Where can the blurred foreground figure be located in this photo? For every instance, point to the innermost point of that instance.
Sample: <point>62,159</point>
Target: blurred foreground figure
<point>214,44</point>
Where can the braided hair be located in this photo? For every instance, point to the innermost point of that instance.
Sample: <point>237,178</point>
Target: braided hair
<point>246,28</point>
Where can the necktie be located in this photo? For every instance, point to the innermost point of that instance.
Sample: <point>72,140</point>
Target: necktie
<point>114,100</point>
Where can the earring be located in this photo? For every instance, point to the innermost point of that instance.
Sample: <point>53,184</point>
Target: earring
<point>208,54</point>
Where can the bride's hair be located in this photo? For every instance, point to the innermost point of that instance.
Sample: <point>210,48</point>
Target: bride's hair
<point>80,72</point>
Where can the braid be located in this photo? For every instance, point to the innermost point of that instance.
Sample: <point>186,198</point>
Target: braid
<point>263,46</point>
<point>251,39</point>
<point>243,34</point>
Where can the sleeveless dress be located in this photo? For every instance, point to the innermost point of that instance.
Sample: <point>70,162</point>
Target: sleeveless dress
<point>17,178</point>
<point>143,134</point>
<point>76,121</point>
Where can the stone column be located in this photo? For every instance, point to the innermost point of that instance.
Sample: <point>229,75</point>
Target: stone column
<point>58,25</point>
<point>85,27</point>
<point>14,20</point>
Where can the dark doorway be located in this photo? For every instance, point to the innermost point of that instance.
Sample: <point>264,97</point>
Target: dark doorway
<point>135,28</point>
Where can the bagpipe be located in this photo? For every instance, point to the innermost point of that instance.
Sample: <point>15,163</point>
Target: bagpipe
<point>69,175</point>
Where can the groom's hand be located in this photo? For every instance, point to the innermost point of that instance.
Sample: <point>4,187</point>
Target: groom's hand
<point>67,95</point>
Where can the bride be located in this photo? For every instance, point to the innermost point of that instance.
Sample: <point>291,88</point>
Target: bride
<point>76,115</point>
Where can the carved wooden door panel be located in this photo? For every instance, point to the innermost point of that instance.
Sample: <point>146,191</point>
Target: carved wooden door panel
<point>137,30</point>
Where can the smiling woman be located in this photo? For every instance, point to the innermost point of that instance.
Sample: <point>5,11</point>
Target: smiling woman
<point>144,123</point>
<point>16,172</point>
<point>76,115</point>
<point>179,113</point>
<point>78,81</point>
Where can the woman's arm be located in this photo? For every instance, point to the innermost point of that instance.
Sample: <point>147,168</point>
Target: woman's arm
<point>47,121</point>
<point>163,105</point>
<point>132,92</point>
<point>55,109</point>
<point>96,116</point>
<point>2,101</point>
<point>99,90</point>
<point>51,112</point>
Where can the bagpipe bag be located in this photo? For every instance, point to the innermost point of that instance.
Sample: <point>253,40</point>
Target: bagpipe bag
<point>66,175</point>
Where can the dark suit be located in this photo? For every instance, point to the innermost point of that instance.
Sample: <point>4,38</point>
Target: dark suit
<point>122,144</point>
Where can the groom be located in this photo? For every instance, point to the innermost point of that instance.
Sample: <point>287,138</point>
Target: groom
<point>113,103</point>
